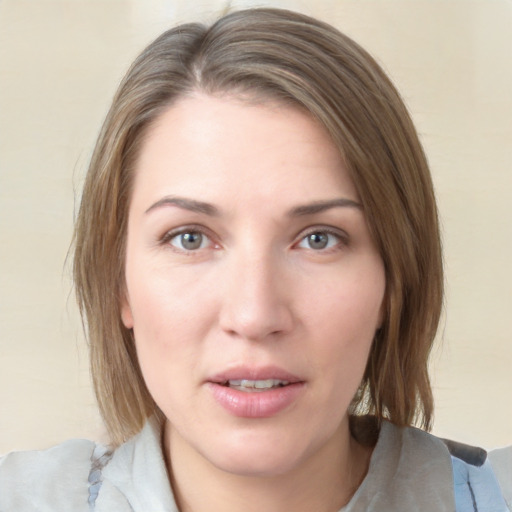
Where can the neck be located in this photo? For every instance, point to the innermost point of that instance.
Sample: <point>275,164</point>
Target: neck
<point>324,481</point>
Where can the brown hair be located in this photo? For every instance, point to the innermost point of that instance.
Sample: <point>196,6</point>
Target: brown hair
<point>271,54</point>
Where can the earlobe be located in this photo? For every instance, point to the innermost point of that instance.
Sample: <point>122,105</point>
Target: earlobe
<point>126,312</point>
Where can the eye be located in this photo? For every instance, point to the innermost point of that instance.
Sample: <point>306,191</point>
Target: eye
<point>189,240</point>
<point>320,240</point>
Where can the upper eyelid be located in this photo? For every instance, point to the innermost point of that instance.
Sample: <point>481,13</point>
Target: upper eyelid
<point>191,228</point>
<point>322,229</point>
<point>185,228</point>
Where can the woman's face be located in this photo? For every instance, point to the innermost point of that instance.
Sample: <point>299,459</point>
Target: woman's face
<point>253,286</point>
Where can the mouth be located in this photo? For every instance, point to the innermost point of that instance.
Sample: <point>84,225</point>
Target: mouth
<point>256,392</point>
<point>254,386</point>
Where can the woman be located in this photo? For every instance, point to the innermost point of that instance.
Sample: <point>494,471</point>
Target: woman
<point>258,263</point>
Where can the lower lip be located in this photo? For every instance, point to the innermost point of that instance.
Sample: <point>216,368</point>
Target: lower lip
<point>258,404</point>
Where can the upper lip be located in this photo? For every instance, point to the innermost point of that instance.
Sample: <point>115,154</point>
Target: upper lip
<point>254,373</point>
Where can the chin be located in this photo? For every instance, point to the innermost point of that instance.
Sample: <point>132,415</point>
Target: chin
<point>250,466</point>
<point>255,457</point>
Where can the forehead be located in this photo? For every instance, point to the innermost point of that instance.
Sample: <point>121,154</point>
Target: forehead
<point>209,145</point>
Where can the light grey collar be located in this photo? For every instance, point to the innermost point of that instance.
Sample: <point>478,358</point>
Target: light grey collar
<point>410,470</point>
<point>137,473</point>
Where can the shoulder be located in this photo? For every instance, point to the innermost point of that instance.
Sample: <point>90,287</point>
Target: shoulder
<point>482,482</point>
<point>54,479</point>
<point>479,484</point>
<point>409,470</point>
<point>436,474</point>
<point>82,476</point>
<point>421,453</point>
<point>501,462</point>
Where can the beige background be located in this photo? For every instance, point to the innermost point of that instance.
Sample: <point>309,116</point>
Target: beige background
<point>60,62</point>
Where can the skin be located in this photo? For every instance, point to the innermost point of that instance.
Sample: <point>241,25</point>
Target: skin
<point>259,290</point>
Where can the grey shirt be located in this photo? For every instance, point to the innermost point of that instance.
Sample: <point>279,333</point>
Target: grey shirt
<point>410,470</point>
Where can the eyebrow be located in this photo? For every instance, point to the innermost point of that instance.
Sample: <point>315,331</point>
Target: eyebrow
<point>298,211</point>
<point>321,206</point>
<point>187,204</point>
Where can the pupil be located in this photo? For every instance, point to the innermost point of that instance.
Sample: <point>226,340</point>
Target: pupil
<point>191,240</point>
<point>318,240</point>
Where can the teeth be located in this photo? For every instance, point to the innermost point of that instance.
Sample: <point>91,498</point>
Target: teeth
<point>256,385</point>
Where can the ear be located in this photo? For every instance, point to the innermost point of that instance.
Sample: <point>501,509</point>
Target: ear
<point>126,311</point>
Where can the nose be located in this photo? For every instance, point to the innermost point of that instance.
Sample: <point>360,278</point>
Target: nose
<point>255,298</point>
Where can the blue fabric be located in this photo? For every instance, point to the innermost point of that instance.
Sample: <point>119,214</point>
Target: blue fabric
<point>99,458</point>
<point>476,488</point>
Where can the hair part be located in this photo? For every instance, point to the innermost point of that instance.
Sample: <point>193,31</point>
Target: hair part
<point>285,57</point>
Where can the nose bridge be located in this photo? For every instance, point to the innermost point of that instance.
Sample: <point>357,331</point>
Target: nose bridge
<point>255,302</point>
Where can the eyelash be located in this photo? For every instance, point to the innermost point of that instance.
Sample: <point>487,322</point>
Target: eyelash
<point>197,230</point>
<point>342,239</point>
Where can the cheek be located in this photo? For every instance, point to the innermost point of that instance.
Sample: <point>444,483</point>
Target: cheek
<point>163,345</point>
<point>156,298</point>
<point>162,320</point>
<point>351,303</point>
<point>169,326</point>
<point>345,318</point>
